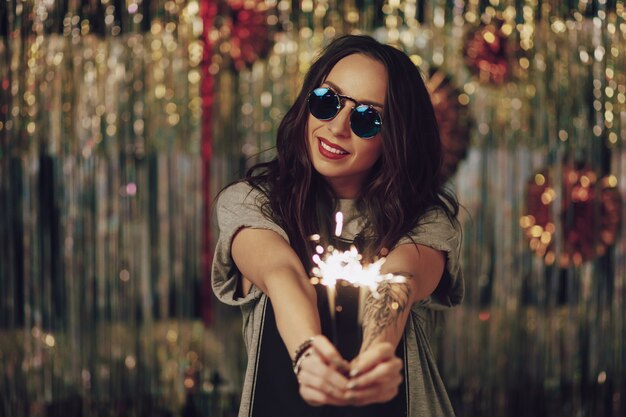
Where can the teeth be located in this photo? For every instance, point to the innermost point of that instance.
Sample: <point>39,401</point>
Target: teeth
<point>332,150</point>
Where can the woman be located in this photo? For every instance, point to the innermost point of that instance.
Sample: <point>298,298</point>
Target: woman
<point>361,138</point>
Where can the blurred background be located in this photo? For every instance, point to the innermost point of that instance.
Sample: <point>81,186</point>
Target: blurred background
<point>121,120</point>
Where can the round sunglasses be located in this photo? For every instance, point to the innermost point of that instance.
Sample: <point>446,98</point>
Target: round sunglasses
<point>325,104</point>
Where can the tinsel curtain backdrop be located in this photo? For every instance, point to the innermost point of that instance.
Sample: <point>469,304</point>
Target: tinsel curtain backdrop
<point>119,122</point>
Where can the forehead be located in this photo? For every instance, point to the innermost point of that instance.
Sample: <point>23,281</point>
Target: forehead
<point>361,77</point>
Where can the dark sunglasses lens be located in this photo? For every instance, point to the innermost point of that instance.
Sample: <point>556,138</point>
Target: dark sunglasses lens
<point>365,121</point>
<point>323,103</point>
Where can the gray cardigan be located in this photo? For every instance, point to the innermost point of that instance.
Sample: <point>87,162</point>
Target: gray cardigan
<point>239,206</point>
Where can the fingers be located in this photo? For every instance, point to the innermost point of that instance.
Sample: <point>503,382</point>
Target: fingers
<point>381,373</point>
<point>378,393</point>
<point>375,376</point>
<point>320,382</point>
<point>326,350</point>
<point>324,377</point>
<point>314,369</point>
<point>319,393</point>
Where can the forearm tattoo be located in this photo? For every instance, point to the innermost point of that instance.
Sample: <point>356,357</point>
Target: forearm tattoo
<point>384,311</point>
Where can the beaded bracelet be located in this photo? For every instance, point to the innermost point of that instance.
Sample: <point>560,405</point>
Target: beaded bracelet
<point>297,366</point>
<point>298,355</point>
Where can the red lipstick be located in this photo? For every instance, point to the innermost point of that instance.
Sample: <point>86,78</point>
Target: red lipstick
<point>331,151</point>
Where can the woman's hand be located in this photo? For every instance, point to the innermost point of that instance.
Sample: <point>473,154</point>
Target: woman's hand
<point>323,374</point>
<point>375,375</point>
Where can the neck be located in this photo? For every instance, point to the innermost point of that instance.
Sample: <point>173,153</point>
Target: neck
<point>344,188</point>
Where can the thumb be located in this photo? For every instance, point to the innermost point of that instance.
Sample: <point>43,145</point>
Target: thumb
<point>375,354</point>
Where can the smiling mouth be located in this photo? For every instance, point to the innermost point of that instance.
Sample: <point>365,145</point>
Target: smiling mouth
<point>328,148</point>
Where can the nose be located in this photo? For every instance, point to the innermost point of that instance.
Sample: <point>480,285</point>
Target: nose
<point>340,124</point>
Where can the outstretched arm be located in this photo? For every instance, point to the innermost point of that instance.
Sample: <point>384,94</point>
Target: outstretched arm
<point>375,371</point>
<point>267,260</point>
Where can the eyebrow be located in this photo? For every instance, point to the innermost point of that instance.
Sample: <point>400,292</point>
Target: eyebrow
<point>338,89</point>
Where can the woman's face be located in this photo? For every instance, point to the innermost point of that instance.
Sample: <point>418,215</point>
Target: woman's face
<point>337,153</point>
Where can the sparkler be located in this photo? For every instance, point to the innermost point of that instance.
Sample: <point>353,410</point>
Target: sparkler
<point>333,265</point>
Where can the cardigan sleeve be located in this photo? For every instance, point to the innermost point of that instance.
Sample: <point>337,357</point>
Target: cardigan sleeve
<point>238,206</point>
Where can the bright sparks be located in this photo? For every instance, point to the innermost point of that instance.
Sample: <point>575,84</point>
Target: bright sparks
<point>332,265</point>
<point>347,266</point>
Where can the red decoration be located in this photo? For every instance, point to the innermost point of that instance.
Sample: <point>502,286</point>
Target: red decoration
<point>453,120</point>
<point>244,31</point>
<point>487,52</point>
<point>589,216</point>
<point>208,11</point>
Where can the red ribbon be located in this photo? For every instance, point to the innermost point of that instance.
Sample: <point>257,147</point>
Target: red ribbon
<point>208,11</point>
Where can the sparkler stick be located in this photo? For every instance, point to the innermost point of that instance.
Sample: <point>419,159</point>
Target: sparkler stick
<point>363,293</point>
<point>331,292</point>
<point>332,289</point>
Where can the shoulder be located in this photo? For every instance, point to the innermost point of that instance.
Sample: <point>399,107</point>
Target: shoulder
<point>241,192</point>
<point>437,217</point>
<point>241,202</point>
<point>433,216</point>
<point>437,230</point>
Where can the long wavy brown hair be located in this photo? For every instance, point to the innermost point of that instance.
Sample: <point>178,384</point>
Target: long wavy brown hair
<point>403,184</point>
